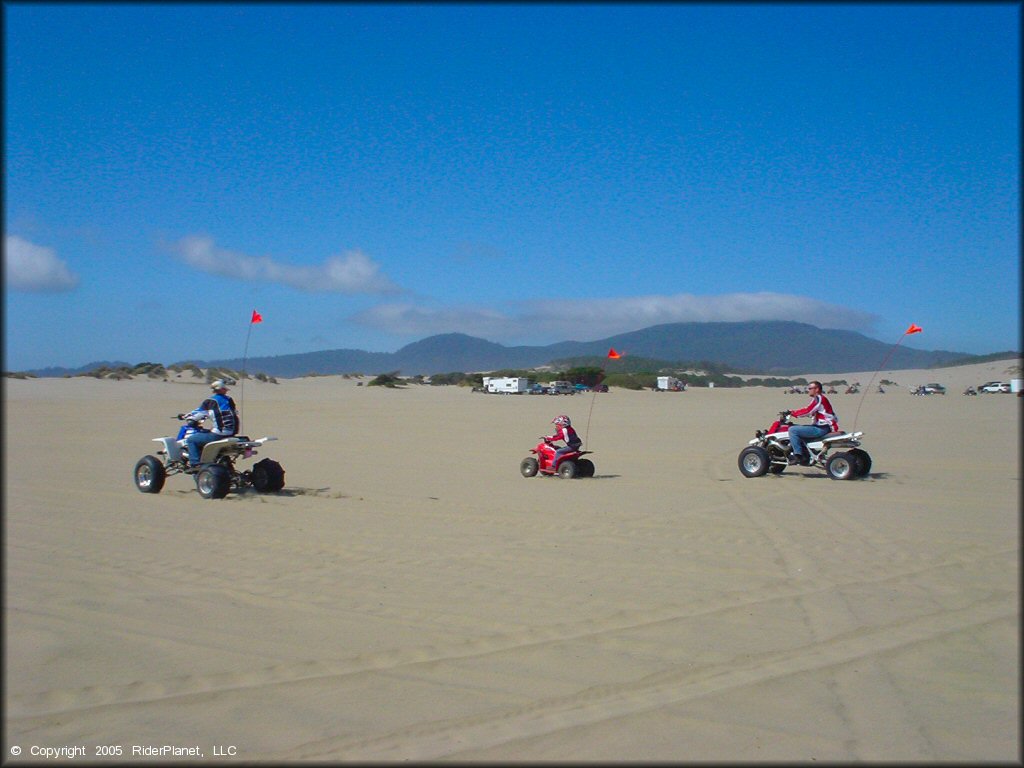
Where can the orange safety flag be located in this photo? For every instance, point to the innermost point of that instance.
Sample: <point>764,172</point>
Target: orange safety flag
<point>256,317</point>
<point>914,329</point>
<point>613,355</point>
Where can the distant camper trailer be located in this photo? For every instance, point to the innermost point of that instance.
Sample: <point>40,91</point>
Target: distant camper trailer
<point>670,384</point>
<point>506,385</point>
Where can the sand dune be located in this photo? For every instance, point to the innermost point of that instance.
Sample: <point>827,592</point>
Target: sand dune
<point>409,596</point>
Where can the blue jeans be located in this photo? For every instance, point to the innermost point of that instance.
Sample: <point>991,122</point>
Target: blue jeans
<point>802,433</point>
<point>195,443</point>
<point>561,452</point>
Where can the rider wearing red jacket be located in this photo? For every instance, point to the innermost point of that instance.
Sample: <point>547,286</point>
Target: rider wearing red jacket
<point>825,421</point>
<point>565,433</point>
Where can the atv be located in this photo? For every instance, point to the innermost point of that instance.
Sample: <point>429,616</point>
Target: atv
<point>215,475</point>
<point>568,466</point>
<point>770,451</point>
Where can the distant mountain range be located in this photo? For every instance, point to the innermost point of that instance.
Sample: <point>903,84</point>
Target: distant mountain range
<point>771,347</point>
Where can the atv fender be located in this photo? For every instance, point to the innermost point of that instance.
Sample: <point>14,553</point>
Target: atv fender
<point>171,447</point>
<point>212,449</point>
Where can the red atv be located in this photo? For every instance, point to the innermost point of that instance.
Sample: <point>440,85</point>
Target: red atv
<point>569,465</point>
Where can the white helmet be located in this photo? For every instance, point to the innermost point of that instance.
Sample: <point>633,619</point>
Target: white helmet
<point>561,421</point>
<point>218,384</point>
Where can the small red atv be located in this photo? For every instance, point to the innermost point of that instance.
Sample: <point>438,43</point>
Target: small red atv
<point>569,465</point>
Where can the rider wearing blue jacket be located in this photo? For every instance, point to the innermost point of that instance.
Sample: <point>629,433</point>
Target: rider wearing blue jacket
<point>221,410</point>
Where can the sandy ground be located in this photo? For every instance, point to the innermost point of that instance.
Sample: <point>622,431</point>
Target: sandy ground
<point>409,596</point>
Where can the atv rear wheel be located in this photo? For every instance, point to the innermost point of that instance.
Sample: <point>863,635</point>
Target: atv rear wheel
<point>842,466</point>
<point>754,461</point>
<point>149,474</point>
<point>584,468</point>
<point>213,481</point>
<point>567,469</point>
<point>267,476</point>
<point>528,467</point>
<point>863,461</point>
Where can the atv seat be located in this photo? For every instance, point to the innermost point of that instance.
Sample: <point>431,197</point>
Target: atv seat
<point>819,442</point>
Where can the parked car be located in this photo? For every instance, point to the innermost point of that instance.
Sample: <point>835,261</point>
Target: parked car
<point>581,388</point>
<point>994,386</point>
<point>561,388</point>
<point>934,389</point>
<point>537,389</point>
<point>601,388</point>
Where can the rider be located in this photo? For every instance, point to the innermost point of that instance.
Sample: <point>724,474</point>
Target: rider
<point>566,434</point>
<point>825,421</point>
<point>221,410</point>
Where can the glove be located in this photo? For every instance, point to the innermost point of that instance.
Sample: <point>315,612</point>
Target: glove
<point>786,414</point>
<point>181,417</point>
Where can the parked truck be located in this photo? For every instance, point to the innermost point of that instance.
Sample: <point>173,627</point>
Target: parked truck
<point>506,385</point>
<point>561,388</point>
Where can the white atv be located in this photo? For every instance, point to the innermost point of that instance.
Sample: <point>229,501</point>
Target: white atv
<point>770,451</point>
<point>215,475</point>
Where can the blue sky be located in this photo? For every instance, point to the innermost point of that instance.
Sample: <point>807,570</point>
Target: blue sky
<point>368,175</point>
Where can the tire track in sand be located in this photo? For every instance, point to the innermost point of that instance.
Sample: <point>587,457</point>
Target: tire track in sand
<point>60,701</point>
<point>594,705</point>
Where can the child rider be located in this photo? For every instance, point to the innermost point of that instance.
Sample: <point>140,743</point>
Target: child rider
<point>566,434</point>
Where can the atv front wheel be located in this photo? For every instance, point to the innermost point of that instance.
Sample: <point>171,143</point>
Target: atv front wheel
<point>213,482</point>
<point>149,474</point>
<point>267,476</point>
<point>528,467</point>
<point>842,466</point>
<point>754,461</point>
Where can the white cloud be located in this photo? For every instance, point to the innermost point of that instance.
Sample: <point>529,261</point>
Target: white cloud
<point>589,319</point>
<point>354,272</point>
<point>31,267</point>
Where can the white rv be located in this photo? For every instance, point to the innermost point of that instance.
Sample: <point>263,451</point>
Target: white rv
<point>506,385</point>
<point>670,384</point>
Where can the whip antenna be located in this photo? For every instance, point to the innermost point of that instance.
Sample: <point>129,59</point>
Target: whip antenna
<point>912,329</point>
<point>593,397</point>
<point>256,318</point>
<point>612,355</point>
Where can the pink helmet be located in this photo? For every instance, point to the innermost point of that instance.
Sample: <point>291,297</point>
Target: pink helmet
<point>561,421</point>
